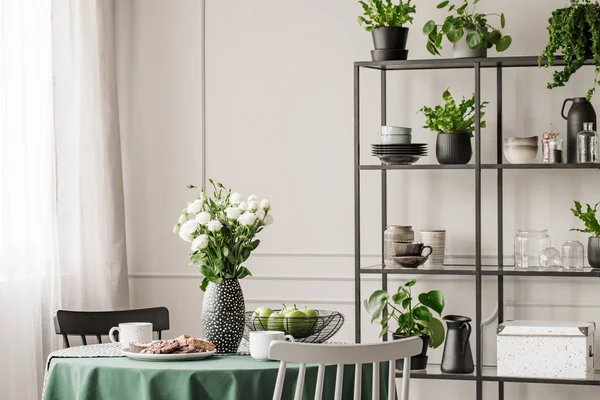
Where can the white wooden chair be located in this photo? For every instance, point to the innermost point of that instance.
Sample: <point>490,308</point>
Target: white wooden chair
<point>340,354</point>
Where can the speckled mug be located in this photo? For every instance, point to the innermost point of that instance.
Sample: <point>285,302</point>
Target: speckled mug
<point>131,332</point>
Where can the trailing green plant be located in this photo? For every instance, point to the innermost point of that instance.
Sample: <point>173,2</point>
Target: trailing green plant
<point>454,26</point>
<point>452,118</point>
<point>573,31</point>
<point>412,319</point>
<point>588,216</point>
<point>384,13</point>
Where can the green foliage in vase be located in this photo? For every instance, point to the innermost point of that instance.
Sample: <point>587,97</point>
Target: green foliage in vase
<point>452,118</point>
<point>465,17</point>
<point>412,319</point>
<point>588,217</point>
<point>573,31</point>
<point>384,13</point>
<point>221,231</point>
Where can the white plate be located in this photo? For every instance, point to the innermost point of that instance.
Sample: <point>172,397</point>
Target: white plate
<point>167,357</point>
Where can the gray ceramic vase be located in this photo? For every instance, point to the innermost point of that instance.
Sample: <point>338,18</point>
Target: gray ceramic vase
<point>223,315</point>
<point>594,252</point>
<point>461,49</point>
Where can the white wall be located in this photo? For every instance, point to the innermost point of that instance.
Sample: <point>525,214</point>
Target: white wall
<point>280,125</point>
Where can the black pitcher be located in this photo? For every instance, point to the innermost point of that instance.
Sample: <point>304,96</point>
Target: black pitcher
<point>457,358</point>
<point>581,111</point>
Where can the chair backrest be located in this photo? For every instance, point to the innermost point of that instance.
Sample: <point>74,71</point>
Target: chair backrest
<point>342,354</point>
<point>98,323</point>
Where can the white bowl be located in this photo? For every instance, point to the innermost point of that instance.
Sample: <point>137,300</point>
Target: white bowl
<point>396,139</point>
<point>522,141</point>
<point>395,130</point>
<point>520,154</point>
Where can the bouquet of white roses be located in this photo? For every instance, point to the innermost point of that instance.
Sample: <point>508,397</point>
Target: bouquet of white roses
<point>222,230</point>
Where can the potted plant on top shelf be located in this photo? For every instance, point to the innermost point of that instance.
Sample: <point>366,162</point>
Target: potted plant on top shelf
<point>478,34</point>
<point>574,32</point>
<point>592,226</point>
<point>385,20</point>
<point>412,319</point>
<point>455,125</point>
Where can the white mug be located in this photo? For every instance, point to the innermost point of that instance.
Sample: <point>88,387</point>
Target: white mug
<point>132,332</point>
<point>261,340</point>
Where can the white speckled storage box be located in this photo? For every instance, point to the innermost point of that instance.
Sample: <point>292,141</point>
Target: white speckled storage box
<point>546,349</point>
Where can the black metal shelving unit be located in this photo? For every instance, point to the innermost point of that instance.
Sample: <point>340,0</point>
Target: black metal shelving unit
<point>481,374</point>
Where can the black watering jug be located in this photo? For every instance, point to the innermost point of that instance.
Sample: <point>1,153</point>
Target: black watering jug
<point>457,357</point>
<point>581,111</point>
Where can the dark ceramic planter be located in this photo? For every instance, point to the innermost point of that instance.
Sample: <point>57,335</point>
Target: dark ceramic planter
<point>223,315</point>
<point>594,252</point>
<point>453,148</point>
<point>390,38</point>
<point>417,362</point>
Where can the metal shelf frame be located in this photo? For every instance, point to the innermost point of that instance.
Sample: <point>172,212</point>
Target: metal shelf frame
<point>481,374</point>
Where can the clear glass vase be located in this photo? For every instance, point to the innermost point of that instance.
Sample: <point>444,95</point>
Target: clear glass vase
<point>529,244</point>
<point>572,255</point>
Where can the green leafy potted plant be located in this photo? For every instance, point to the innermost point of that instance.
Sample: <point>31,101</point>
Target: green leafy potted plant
<point>413,318</point>
<point>455,125</point>
<point>575,32</point>
<point>385,20</point>
<point>478,34</point>
<point>592,226</point>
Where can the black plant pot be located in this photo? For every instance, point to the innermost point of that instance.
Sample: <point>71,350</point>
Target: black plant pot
<point>594,252</point>
<point>223,315</point>
<point>390,38</point>
<point>419,361</point>
<point>453,148</point>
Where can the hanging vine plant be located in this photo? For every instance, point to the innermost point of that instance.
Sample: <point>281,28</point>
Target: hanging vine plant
<point>574,32</point>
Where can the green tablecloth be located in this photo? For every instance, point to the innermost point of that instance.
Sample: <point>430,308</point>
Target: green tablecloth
<point>215,378</point>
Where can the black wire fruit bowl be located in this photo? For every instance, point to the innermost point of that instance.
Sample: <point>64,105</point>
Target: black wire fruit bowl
<point>317,329</point>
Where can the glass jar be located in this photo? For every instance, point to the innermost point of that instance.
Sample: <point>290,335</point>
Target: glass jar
<point>572,255</point>
<point>555,151</point>
<point>395,233</point>
<point>586,144</point>
<point>529,244</point>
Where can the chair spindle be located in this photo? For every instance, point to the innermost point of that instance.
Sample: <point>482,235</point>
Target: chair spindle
<point>279,383</point>
<point>339,380</point>
<point>375,381</point>
<point>392,380</point>
<point>300,382</point>
<point>405,379</point>
<point>320,378</point>
<point>358,382</point>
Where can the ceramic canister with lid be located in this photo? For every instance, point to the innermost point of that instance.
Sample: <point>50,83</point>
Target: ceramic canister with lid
<point>395,233</point>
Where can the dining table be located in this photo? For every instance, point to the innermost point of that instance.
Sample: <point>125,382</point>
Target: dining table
<point>101,372</point>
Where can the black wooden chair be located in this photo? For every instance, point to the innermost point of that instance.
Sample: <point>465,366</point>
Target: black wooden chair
<point>98,323</point>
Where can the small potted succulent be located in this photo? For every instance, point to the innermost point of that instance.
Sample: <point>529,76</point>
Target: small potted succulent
<point>413,318</point>
<point>592,226</point>
<point>455,125</point>
<point>574,32</point>
<point>385,20</point>
<point>468,31</point>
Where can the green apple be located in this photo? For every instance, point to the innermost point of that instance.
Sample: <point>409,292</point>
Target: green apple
<point>276,322</point>
<point>311,319</point>
<point>295,323</point>
<point>287,309</point>
<point>261,318</point>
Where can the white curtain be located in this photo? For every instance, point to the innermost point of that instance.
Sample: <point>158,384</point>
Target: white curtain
<point>29,278</point>
<point>62,228</point>
<point>90,187</point>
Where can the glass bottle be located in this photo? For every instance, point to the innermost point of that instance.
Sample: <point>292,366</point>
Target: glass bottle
<point>586,144</point>
<point>529,244</point>
<point>572,255</point>
<point>555,151</point>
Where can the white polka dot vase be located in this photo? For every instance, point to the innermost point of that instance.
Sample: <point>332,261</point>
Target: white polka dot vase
<point>223,315</point>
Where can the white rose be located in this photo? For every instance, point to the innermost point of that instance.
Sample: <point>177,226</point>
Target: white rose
<point>185,236</point>
<point>203,218</point>
<point>252,198</point>
<point>260,214</point>
<point>265,204</point>
<point>232,213</point>
<point>182,218</point>
<point>214,225</point>
<point>268,219</point>
<point>235,198</point>
<point>189,226</point>
<point>200,243</point>
<point>252,205</point>
<point>243,206</point>
<point>195,206</point>
<point>247,218</point>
